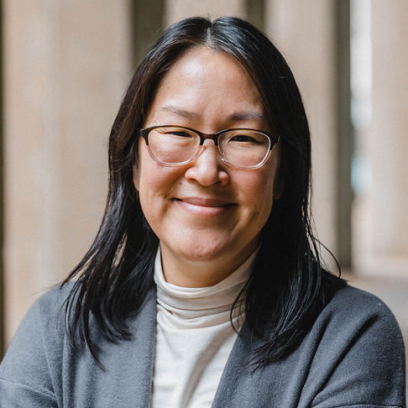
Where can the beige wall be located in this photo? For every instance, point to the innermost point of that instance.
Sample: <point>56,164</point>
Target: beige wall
<point>304,32</point>
<point>178,9</point>
<point>66,66</point>
<point>380,213</point>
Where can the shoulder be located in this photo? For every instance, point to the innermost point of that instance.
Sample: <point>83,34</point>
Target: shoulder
<point>45,316</point>
<point>357,298</point>
<point>42,364</point>
<point>354,316</point>
<point>359,351</point>
<point>51,302</point>
<point>35,347</point>
<point>46,312</point>
<point>354,307</point>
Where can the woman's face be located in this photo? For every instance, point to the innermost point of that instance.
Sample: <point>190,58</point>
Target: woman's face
<point>207,215</point>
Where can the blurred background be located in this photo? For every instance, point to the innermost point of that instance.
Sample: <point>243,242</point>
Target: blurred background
<point>65,66</point>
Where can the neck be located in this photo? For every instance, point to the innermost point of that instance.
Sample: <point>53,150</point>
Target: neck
<point>184,272</point>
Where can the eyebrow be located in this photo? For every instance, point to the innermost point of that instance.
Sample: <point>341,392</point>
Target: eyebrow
<point>180,112</point>
<point>236,117</point>
<point>241,116</point>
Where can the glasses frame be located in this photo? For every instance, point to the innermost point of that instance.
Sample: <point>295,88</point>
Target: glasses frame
<point>273,139</point>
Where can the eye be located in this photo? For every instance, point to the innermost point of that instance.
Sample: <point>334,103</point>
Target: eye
<point>181,133</point>
<point>178,132</point>
<point>242,138</point>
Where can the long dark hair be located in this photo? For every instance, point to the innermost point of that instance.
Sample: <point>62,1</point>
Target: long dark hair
<point>288,287</point>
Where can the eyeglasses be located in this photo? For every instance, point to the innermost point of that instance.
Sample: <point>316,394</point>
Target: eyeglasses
<point>172,145</point>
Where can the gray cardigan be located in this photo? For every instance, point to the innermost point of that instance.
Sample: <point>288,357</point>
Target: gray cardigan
<point>352,357</point>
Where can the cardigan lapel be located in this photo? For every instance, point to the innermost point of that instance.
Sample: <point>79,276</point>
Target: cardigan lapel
<point>244,385</point>
<point>143,341</point>
<point>130,362</point>
<point>236,369</point>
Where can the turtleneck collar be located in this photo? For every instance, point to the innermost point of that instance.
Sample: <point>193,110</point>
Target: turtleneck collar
<point>198,305</point>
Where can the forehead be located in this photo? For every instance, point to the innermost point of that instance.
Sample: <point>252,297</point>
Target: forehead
<point>205,82</point>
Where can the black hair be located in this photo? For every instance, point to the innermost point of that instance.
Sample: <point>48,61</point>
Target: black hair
<point>288,287</point>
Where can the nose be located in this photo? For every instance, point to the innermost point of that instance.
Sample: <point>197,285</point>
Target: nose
<point>208,169</point>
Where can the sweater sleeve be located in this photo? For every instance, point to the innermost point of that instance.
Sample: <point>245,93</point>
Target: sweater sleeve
<point>361,358</point>
<point>26,378</point>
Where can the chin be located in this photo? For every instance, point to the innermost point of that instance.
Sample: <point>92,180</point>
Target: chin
<point>202,256</point>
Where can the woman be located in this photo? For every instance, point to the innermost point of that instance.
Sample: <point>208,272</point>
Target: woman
<point>204,285</point>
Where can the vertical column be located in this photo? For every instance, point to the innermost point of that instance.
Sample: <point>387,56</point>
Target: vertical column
<point>381,217</point>
<point>147,25</point>
<point>179,9</point>
<point>304,32</point>
<point>255,12</point>
<point>2,311</point>
<point>345,133</point>
<point>66,67</point>
<point>31,132</point>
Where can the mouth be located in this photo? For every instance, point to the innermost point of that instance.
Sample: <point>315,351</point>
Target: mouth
<point>205,206</point>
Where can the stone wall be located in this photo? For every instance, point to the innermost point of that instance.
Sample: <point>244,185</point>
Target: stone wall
<point>66,64</point>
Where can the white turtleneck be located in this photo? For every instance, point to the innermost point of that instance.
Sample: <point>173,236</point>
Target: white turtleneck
<point>194,338</point>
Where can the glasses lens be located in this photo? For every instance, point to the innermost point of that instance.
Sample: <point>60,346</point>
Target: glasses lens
<point>244,148</point>
<point>172,144</point>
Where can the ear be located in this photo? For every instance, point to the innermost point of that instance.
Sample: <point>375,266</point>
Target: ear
<point>135,177</point>
<point>136,164</point>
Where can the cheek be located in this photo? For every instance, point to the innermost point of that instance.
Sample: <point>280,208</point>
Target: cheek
<point>144,173</point>
<point>153,181</point>
<point>257,189</point>
<point>256,198</point>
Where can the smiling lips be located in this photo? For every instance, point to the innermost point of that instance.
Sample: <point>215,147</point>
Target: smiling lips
<point>205,206</point>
